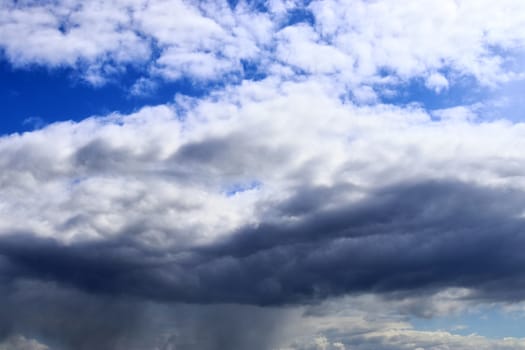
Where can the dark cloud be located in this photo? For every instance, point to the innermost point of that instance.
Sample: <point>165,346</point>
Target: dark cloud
<point>99,156</point>
<point>233,156</point>
<point>405,239</point>
<point>65,318</point>
<point>68,318</point>
<point>226,326</point>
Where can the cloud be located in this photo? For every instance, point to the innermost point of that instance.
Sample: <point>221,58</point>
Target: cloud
<point>410,339</point>
<point>137,205</point>
<point>66,318</point>
<point>167,38</point>
<point>437,82</point>
<point>371,322</point>
<point>22,343</point>
<point>413,40</point>
<point>71,319</point>
<point>446,233</point>
<point>353,42</point>
<point>69,33</point>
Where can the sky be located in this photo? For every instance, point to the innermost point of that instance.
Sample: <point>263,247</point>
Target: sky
<point>266,175</point>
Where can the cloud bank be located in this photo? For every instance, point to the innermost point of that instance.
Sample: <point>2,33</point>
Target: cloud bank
<point>235,219</point>
<point>220,201</point>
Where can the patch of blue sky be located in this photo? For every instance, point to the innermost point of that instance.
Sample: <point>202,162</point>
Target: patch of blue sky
<point>503,100</point>
<point>489,321</point>
<point>33,97</point>
<point>463,91</point>
<point>259,5</point>
<point>252,70</point>
<point>506,102</point>
<point>299,15</point>
<point>237,188</point>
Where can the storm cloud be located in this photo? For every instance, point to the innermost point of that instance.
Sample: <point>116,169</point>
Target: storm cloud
<point>409,237</point>
<point>204,214</point>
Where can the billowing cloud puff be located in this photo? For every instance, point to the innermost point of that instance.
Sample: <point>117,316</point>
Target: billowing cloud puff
<point>356,42</point>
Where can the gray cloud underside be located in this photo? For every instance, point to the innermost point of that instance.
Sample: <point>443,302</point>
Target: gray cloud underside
<point>400,239</point>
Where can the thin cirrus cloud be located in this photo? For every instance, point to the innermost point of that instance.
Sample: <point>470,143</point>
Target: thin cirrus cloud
<point>247,213</point>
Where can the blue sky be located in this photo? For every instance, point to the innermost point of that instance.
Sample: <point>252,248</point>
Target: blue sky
<point>281,174</point>
<point>35,96</point>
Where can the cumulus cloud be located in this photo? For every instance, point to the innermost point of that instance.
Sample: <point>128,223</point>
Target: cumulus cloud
<point>354,42</point>
<point>374,198</point>
<point>437,82</point>
<point>168,38</point>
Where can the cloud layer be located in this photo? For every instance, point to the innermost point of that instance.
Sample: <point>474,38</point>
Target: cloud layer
<point>353,42</point>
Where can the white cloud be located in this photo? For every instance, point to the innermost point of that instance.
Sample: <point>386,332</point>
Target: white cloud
<point>352,41</point>
<point>419,37</point>
<point>299,46</point>
<point>437,82</point>
<point>459,113</point>
<point>170,172</point>
<point>65,32</point>
<point>143,87</point>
